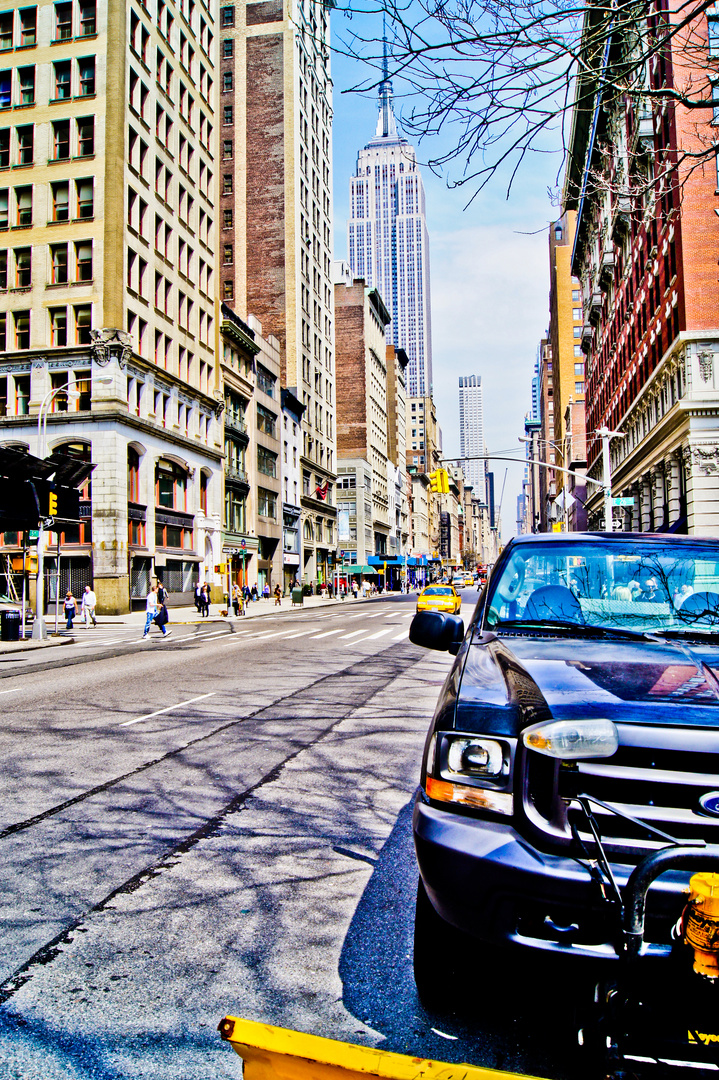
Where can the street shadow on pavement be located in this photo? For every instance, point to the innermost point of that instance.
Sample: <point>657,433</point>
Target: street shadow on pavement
<point>492,1029</point>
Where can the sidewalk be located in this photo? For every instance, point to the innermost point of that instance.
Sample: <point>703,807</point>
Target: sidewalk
<point>179,616</point>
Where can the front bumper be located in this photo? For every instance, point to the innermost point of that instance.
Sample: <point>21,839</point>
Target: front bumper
<point>487,880</point>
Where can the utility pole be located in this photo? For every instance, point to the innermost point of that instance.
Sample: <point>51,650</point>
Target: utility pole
<point>605,435</point>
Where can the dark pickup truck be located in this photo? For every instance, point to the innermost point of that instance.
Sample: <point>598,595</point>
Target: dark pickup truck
<point>583,706</point>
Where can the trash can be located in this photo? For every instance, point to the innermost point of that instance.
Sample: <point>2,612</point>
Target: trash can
<point>10,623</point>
<point>297,597</point>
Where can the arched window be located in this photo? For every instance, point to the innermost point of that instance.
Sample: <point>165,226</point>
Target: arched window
<point>133,475</point>
<point>308,531</point>
<point>170,485</point>
<point>80,533</point>
<point>204,486</point>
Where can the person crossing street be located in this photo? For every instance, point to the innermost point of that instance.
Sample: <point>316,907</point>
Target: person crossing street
<point>88,605</point>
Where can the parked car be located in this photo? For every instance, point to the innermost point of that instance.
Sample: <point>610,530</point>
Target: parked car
<point>469,580</point>
<point>584,695</point>
<point>439,598</point>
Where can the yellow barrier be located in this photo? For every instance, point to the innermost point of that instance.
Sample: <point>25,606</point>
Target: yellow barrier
<point>271,1052</point>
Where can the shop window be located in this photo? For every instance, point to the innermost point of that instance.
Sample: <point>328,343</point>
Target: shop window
<point>170,486</point>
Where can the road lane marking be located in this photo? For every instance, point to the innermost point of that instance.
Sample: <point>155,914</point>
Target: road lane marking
<point>265,634</point>
<point>328,632</point>
<point>410,616</point>
<point>13,691</point>
<point>377,615</point>
<point>303,633</point>
<point>148,716</point>
<point>353,634</point>
<point>402,636</point>
<point>235,635</point>
<point>387,630</point>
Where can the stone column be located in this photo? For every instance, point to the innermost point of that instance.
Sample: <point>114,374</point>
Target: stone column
<point>645,517</point>
<point>110,523</point>
<point>658,477</point>
<point>672,466</point>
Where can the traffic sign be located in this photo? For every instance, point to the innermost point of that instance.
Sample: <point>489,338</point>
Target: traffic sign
<point>33,534</point>
<point>629,501</point>
<point>243,543</point>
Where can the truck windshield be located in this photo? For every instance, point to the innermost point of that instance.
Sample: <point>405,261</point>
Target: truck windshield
<point>629,584</point>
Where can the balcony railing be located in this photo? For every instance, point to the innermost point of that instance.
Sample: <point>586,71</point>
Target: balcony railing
<point>236,474</point>
<point>234,424</point>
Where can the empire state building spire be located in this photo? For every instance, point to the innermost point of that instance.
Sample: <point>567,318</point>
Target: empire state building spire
<point>386,126</point>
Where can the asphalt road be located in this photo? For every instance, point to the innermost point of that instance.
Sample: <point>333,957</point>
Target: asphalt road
<point>220,823</point>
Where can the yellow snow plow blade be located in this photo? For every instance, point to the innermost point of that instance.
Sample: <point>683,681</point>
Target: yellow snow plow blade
<point>273,1053</point>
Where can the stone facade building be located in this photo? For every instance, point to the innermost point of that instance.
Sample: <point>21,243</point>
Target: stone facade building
<point>292,411</point>
<point>107,283</point>
<point>276,223</point>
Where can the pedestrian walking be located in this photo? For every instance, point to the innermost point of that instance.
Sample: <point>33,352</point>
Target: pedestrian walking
<point>88,605</point>
<point>205,601</point>
<point>70,607</point>
<point>246,593</point>
<point>255,594</point>
<point>278,596</point>
<point>155,612</point>
<point>162,593</point>
<point>355,588</point>
<point>236,598</point>
<point>198,597</point>
<point>266,591</point>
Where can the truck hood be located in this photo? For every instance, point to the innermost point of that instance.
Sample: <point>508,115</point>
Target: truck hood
<point>513,681</point>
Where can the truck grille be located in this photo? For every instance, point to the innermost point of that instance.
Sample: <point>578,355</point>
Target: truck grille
<point>652,777</point>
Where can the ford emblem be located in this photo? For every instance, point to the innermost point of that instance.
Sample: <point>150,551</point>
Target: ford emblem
<point>709,803</point>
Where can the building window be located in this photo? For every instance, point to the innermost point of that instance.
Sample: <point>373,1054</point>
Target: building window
<point>266,461</point>
<point>228,290</point>
<point>227,219</point>
<point>23,268</point>
<point>83,324</point>
<point>63,22</point>
<point>85,198</point>
<point>713,35</point>
<point>577,331</point>
<point>227,184</point>
<point>579,388</point>
<point>227,115</point>
<point>235,511</point>
<point>6,32</point>
<point>579,369</point>
<point>87,76</point>
<point>266,381</point>
<point>22,334</point>
<point>577,314</point>
<point>227,16</point>
<point>4,148</point>
<point>83,261</point>
<point>23,202</point>
<point>266,503</point>
<point>266,421</point>
<point>5,88</point>
<point>86,136</point>
<point>88,22</point>
<point>60,200</point>
<point>228,48</point>
<point>575,295</point>
<point>28,26</point>
<point>228,253</point>
<point>63,89</point>
<point>577,351</point>
<point>25,144</point>
<point>226,80</point>
<point>26,81</point>
<point>227,149</point>
<point>170,486</point>
<point>22,395</point>
<point>60,140</point>
<point>58,268</point>
<point>58,326</point>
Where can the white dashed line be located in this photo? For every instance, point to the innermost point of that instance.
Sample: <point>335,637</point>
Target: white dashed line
<point>148,716</point>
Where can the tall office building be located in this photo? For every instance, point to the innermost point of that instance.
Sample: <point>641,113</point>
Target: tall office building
<point>276,223</point>
<point>471,433</point>
<point>388,243</point>
<point>108,316</point>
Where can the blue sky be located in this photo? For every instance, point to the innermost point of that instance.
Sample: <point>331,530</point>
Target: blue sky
<point>489,280</point>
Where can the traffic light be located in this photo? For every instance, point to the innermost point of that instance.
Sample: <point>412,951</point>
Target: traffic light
<point>52,504</point>
<point>439,481</point>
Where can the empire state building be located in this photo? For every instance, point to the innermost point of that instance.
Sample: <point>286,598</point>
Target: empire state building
<point>388,243</point>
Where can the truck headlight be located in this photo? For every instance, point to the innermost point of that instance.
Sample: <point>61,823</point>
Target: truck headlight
<point>570,739</point>
<point>475,757</point>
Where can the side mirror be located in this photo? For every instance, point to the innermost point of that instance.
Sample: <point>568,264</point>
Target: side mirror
<point>433,630</point>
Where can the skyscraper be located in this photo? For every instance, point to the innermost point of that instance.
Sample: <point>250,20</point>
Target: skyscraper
<point>471,432</point>
<point>108,319</point>
<point>276,224</point>
<point>387,240</point>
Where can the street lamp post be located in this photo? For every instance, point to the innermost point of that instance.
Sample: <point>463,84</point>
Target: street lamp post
<point>39,630</point>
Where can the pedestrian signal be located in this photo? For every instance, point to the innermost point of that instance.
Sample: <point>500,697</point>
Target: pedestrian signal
<point>439,481</point>
<point>52,504</point>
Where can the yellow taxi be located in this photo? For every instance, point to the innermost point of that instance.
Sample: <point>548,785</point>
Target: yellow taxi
<point>439,598</point>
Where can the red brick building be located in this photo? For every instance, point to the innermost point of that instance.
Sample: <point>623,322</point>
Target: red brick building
<point>646,247</point>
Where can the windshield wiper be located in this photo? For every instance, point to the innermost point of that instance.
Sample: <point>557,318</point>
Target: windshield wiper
<point>578,628</point>
<point>692,631</point>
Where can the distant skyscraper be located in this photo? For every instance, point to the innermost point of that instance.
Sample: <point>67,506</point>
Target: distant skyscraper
<point>387,238</point>
<point>471,432</point>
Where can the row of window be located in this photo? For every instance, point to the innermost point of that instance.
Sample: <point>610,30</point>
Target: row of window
<point>15,327</point>
<point>71,78</point>
<point>73,138</point>
<point>68,263</point>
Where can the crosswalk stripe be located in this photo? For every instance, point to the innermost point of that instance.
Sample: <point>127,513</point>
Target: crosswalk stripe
<point>327,633</point>
<point>303,633</point>
<point>353,634</point>
<point>381,633</point>
<point>402,636</point>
